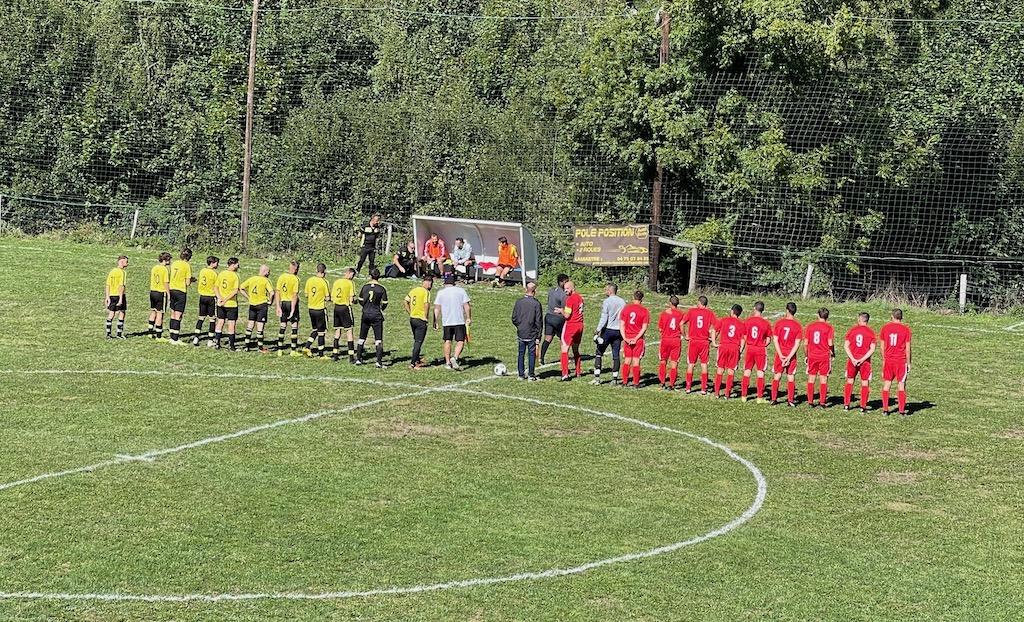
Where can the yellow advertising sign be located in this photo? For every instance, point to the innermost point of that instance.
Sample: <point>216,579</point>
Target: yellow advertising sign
<point>612,245</point>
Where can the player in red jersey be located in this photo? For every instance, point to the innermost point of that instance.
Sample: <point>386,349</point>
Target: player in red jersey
<point>860,347</point>
<point>728,338</point>
<point>786,333</point>
<point>572,330</point>
<point>895,338</point>
<point>755,343</point>
<point>700,321</point>
<point>634,320</point>
<point>670,325</point>
<point>820,349</point>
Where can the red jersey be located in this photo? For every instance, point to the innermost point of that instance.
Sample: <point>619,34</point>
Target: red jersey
<point>574,305</point>
<point>701,321</point>
<point>633,317</point>
<point>730,332</point>
<point>787,332</point>
<point>818,334</point>
<point>860,339</point>
<point>895,337</point>
<point>759,333</point>
<point>670,323</point>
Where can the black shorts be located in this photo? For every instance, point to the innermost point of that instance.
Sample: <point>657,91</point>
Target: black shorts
<point>178,301</point>
<point>318,318</point>
<point>289,315</point>
<point>258,313</point>
<point>116,303</point>
<point>553,324</point>
<point>227,313</point>
<point>343,316</point>
<point>454,333</point>
<point>374,323</point>
<point>157,301</point>
<point>207,306</point>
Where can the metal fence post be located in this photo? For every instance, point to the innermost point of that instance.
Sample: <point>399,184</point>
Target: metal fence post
<point>135,224</point>
<point>693,271</point>
<point>387,244</point>
<point>963,292</point>
<point>807,281</point>
<point>1,214</point>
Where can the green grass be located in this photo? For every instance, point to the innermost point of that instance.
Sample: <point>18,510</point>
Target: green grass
<point>866,517</point>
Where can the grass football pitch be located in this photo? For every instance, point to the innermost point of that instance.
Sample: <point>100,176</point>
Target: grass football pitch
<point>139,481</point>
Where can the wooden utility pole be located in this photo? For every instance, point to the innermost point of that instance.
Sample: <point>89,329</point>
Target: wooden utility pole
<point>249,106</point>
<point>665,21</point>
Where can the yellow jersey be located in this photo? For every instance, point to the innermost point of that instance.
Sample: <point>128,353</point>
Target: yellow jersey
<point>343,292</point>
<point>207,282</point>
<point>259,289</point>
<point>419,303</point>
<point>115,281</point>
<point>287,287</point>
<point>181,275</point>
<point>158,278</point>
<point>227,282</point>
<point>316,292</point>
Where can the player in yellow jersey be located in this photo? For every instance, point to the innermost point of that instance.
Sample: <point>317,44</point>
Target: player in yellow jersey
<point>417,305</point>
<point>227,303</point>
<point>159,289</point>
<point>259,291</point>
<point>288,307</point>
<point>317,295</point>
<point>342,293</point>
<point>207,299</point>
<point>181,278</point>
<point>114,297</point>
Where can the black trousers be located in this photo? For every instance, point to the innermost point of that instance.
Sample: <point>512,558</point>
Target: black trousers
<point>419,335</point>
<point>367,254</point>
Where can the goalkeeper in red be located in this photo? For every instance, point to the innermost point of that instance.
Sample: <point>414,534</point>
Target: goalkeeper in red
<point>895,338</point>
<point>572,330</point>
<point>729,335</point>
<point>860,347</point>
<point>670,325</point>
<point>820,350</point>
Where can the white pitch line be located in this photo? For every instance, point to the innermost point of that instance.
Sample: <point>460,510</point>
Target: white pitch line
<point>34,248</point>
<point>755,506</point>
<point>1014,326</point>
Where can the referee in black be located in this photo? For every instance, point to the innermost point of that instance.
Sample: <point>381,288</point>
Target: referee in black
<point>368,250</point>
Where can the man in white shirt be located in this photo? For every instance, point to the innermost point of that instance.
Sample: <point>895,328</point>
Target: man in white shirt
<point>462,257</point>
<point>452,311</point>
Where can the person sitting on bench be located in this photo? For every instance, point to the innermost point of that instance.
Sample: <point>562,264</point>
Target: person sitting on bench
<point>508,260</point>
<point>462,257</point>
<point>434,256</point>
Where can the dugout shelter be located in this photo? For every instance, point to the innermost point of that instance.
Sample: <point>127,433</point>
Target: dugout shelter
<point>483,236</point>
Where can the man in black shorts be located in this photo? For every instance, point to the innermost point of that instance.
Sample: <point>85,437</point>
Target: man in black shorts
<point>207,285</point>
<point>374,300</point>
<point>287,295</point>
<point>259,291</point>
<point>368,249</point>
<point>342,293</point>
<point>553,319</point>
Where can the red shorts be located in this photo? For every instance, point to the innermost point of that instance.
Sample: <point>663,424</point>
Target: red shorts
<point>864,370</point>
<point>698,352</point>
<point>572,334</point>
<point>819,367</point>
<point>671,350</point>
<point>788,369</point>
<point>755,359</point>
<point>894,371</point>
<point>729,357</point>
<point>635,351</point>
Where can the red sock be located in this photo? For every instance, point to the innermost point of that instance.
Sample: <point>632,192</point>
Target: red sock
<point>704,381</point>
<point>565,364</point>
<point>673,375</point>
<point>810,393</point>
<point>901,400</point>
<point>864,393</point>
<point>744,385</point>
<point>728,385</point>
<point>625,374</point>
<point>847,394</point>
<point>760,387</point>
<point>661,372</point>
<point>689,380</point>
<point>775,390</point>
<point>885,399</point>
<point>791,390</point>
<point>823,394</point>
<point>718,382</point>
<point>636,376</point>
<point>579,365</point>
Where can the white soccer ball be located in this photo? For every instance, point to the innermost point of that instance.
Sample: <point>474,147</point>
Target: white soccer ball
<point>500,369</point>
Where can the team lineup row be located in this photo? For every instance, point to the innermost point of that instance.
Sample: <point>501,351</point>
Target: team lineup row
<point>622,329</point>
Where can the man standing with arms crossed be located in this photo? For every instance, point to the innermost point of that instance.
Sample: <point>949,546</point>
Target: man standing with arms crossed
<point>207,300</point>
<point>287,295</point>
<point>342,293</point>
<point>114,297</point>
<point>554,320</point>
<point>181,278</point>
<point>670,326</point>
<point>417,305</point>
<point>820,348</point>
<point>728,339</point>
<point>758,335</point>
<point>787,332</point>
<point>635,319</point>
<point>608,333</point>
<point>860,347</point>
<point>368,243</point>
<point>452,310</point>
<point>528,318</point>
<point>572,330</point>
<point>895,338</point>
<point>700,321</point>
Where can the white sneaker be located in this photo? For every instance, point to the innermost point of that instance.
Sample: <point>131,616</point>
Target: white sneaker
<point>195,341</point>
<point>455,365</point>
<point>595,381</point>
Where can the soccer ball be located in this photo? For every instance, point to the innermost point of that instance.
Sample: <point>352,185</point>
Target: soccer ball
<point>500,369</point>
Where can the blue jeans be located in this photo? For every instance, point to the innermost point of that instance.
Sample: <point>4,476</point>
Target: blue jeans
<point>527,348</point>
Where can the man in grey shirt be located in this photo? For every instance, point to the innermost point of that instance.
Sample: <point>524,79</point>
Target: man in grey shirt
<point>554,320</point>
<point>462,256</point>
<point>608,333</point>
<point>528,318</point>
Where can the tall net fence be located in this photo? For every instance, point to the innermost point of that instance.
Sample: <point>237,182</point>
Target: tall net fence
<point>884,153</point>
